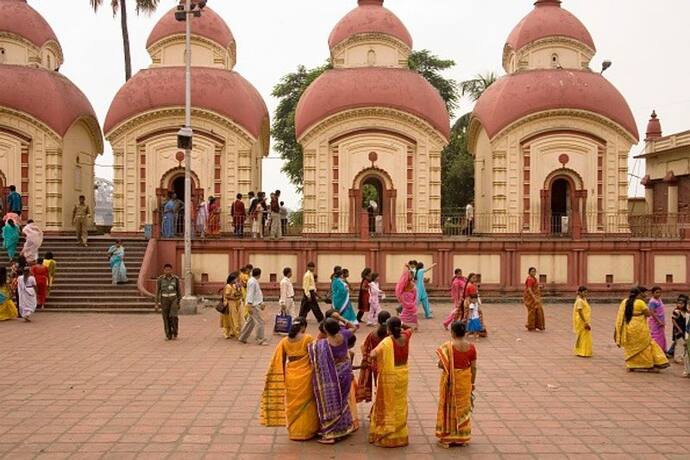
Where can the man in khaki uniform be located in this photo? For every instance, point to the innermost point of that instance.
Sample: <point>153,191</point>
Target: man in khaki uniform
<point>81,216</point>
<point>168,295</point>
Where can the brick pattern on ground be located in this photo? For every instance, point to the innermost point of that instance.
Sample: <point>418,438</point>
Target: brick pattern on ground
<point>109,386</point>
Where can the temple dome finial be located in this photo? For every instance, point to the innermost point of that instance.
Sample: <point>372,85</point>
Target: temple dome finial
<point>653,127</point>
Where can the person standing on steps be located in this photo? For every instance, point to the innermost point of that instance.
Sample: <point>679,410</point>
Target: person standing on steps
<point>14,201</point>
<point>81,216</point>
<point>168,295</point>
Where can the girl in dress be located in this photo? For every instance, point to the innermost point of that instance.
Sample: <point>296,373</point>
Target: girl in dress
<point>376,295</point>
<point>474,323</point>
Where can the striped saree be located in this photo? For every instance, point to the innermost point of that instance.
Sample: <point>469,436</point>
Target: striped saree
<point>453,424</point>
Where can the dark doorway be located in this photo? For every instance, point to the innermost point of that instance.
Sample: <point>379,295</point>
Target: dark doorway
<point>177,187</point>
<point>560,207</point>
<point>372,201</point>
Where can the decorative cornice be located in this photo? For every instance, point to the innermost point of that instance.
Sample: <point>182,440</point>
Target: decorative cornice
<point>358,39</point>
<point>177,38</point>
<point>555,40</point>
<point>52,44</point>
<point>348,115</point>
<point>35,122</point>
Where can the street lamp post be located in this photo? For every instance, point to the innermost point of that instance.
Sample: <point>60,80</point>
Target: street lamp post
<point>185,139</point>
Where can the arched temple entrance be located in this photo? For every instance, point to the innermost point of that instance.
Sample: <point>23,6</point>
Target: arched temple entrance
<point>373,195</point>
<point>563,203</point>
<point>173,182</point>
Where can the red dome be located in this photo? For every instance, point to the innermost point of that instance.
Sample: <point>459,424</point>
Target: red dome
<point>223,92</point>
<point>45,95</point>
<point>209,25</point>
<point>521,94</point>
<point>369,17</point>
<point>17,17</point>
<point>548,19</point>
<point>343,89</point>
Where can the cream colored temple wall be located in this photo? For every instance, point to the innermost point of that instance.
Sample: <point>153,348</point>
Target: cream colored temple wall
<point>10,154</point>
<point>621,266</point>
<point>674,265</point>
<point>554,266</point>
<point>216,266</point>
<point>369,52</point>
<point>353,158</point>
<point>77,171</point>
<point>487,265</point>
<point>273,264</point>
<point>240,158</point>
<point>395,264</point>
<point>499,186</point>
<point>21,52</point>
<point>677,161</point>
<point>353,262</point>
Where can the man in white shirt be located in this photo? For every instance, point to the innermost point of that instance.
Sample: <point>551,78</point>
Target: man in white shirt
<point>469,216</point>
<point>255,303</point>
<point>287,294</point>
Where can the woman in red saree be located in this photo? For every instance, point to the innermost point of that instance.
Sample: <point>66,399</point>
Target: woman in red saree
<point>406,292</point>
<point>41,274</point>
<point>532,299</point>
<point>458,360</point>
<point>368,368</point>
<point>213,217</point>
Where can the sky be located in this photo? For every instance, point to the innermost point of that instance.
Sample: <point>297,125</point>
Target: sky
<point>647,41</point>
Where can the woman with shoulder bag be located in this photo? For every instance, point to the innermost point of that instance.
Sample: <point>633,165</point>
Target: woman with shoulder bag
<point>230,315</point>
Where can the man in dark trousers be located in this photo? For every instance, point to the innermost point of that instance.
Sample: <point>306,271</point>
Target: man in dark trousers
<point>168,295</point>
<point>309,298</point>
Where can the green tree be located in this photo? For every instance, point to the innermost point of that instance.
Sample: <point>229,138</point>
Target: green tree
<point>141,6</point>
<point>430,67</point>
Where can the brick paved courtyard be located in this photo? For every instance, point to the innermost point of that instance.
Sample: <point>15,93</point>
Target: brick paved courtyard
<point>91,386</point>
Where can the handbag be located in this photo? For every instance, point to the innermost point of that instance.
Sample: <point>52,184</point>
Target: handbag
<point>283,323</point>
<point>221,307</point>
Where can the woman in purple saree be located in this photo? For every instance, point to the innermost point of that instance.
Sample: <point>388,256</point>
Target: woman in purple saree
<point>332,381</point>
<point>657,320</point>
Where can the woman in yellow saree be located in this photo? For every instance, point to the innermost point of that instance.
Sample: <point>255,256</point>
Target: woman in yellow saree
<point>632,334</point>
<point>288,397</point>
<point>582,324</point>
<point>231,322</point>
<point>388,427</point>
<point>8,309</point>
<point>458,359</point>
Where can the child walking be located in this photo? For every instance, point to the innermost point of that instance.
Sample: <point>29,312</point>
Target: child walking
<point>474,324</point>
<point>375,297</point>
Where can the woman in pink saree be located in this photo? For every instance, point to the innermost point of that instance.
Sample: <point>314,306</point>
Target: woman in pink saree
<point>406,292</point>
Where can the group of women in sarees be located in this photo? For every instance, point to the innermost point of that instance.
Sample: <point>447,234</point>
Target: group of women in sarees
<point>311,390</point>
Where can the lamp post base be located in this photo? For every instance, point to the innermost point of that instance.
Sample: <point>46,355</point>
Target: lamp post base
<point>189,305</point>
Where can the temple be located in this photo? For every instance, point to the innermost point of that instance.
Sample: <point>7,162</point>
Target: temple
<point>49,134</point>
<point>229,117</point>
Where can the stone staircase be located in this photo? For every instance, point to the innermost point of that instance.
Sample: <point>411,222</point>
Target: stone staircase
<point>83,282</point>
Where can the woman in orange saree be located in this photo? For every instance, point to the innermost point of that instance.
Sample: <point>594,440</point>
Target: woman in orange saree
<point>388,427</point>
<point>288,396</point>
<point>533,303</point>
<point>458,360</point>
<point>213,224</point>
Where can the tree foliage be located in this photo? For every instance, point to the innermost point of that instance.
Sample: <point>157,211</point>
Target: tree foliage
<point>430,67</point>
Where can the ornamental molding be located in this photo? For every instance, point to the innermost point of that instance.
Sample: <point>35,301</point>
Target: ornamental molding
<point>143,118</point>
<point>558,40</point>
<point>33,49</point>
<point>198,39</point>
<point>371,112</point>
<point>34,122</point>
<point>575,113</point>
<point>363,38</point>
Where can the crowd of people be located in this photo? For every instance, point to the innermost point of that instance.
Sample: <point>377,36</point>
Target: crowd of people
<point>260,217</point>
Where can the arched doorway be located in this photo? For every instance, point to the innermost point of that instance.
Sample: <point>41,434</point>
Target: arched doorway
<point>173,184</point>
<point>372,194</point>
<point>560,205</point>
<point>563,203</point>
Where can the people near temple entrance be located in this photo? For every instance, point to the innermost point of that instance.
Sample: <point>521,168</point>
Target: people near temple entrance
<point>469,219</point>
<point>310,300</point>
<point>376,295</point>
<point>255,304</point>
<point>16,270</point>
<point>363,303</point>
<point>632,334</point>
<point>372,212</point>
<point>116,258</point>
<point>679,320</point>
<point>406,293</point>
<point>288,396</point>
<point>10,238</point>
<point>33,239</point>
<point>458,361</point>
<point>27,293</point>
<point>388,426</point>
<point>169,217</point>
<point>255,216</point>
<point>231,321</point>
<point>239,214</point>
<point>51,265</point>
<point>275,215</point>
<point>332,382</point>
<point>340,293</point>
<point>283,219</point>
<point>368,369</point>
<point>8,309</point>
<point>179,214</point>
<point>213,216</point>
<point>168,295</point>
<point>582,324</point>
<point>422,296</point>
<point>202,217</point>
<point>657,318</point>
<point>245,274</point>
<point>287,294</point>
<point>41,274</point>
<point>14,201</point>
<point>533,302</point>
<point>457,290</point>
<point>81,219</point>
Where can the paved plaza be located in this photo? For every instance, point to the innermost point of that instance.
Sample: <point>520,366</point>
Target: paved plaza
<point>109,386</point>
